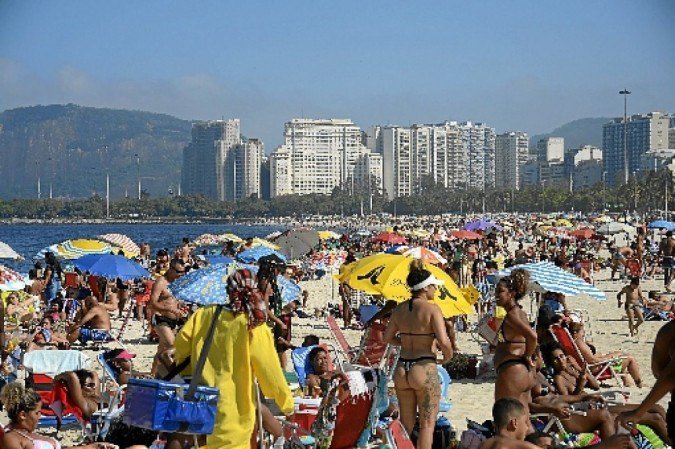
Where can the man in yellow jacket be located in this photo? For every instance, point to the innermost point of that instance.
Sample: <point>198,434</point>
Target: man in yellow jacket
<point>238,355</point>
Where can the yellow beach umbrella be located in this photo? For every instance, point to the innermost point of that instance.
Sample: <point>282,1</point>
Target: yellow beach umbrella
<point>327,235</point>
<point>229,237</point>
<point>258,241</point>
<point>471,294</point>
<point>385,274</point>
<point>74,249</point>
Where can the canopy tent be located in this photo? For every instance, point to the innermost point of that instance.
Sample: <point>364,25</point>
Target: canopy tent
<point>545,276</point>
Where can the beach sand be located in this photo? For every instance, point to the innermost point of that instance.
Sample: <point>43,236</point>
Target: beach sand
<point>471,399</point>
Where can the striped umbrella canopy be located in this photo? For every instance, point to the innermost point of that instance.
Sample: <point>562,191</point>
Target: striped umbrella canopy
<point>545,276</point>
<point>6,252</point>
<point>426,255</point>
<point>10,280</point>
<point>74,249</point>
<point>121,241</point>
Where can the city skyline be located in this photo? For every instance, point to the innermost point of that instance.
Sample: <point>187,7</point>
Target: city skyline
<point>414,64</point>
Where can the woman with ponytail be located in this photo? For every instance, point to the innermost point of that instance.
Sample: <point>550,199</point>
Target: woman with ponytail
<point>414,326</point>
<point>517,341</point>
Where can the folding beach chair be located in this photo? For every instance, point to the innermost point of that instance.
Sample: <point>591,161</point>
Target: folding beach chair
<point>301,364</point>
<point>603,370</point>
<point>41,368</point>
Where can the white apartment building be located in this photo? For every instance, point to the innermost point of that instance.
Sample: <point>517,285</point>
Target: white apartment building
<point>319,155</point>
<point>551,149</point>
<point>451,154</point>
<point>511,154</point>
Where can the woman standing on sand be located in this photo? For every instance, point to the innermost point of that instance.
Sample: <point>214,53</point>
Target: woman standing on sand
<point>414,326</point>
<point>517,341</point>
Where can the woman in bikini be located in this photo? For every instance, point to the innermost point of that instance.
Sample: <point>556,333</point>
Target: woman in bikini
<point>517,341</point>
<point>414,326</point>
<point>23,408</point>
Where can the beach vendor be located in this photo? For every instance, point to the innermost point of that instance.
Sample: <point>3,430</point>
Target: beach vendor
<point>242,351</point>
<point>414,326</point>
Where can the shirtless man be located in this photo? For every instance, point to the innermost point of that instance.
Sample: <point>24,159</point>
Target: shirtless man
<point>663,367</point>
<point>94,324</point>
<point>167,316</point>
<point>512,424</point>
<point>184,252</point>
<point>667,251</point>
<point>634,298</point>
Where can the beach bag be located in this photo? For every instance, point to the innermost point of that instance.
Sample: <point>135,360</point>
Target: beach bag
<point>471,439</point>
<point>170,407</point>
<point>443,434</point>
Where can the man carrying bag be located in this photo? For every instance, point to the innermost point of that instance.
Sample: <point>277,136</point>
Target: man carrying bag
<point>242,351</point>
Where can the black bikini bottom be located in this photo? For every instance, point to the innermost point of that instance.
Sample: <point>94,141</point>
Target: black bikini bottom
<point>407,364</point>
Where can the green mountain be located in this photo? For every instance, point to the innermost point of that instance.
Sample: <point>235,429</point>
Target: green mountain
<point>73,148</point>
<point>584,131</point>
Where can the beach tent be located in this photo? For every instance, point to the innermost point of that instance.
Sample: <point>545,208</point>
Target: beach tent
<point>6,252</point>
<point>545,276</point>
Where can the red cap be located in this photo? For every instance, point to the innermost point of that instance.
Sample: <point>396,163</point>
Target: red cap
<point>125,355</point>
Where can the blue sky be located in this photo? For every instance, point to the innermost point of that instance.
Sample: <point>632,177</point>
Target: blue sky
<point>529,66</point>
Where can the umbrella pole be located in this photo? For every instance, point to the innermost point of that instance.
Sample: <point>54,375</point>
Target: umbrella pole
<point>2,331</point>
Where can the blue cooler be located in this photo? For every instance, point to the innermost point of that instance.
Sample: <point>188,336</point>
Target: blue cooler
<point>158,405</point>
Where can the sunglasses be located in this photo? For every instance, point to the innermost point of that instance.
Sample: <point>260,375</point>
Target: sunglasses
<point>90,385</point>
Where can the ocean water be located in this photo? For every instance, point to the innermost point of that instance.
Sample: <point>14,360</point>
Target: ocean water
<point>29,239</point>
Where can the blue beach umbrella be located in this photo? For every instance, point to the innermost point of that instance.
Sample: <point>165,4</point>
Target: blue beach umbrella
<point>111,267</point>
<point>545,276</point>
<point>289,290</point>
<point>218,259</point>
<point>255,253</point>
<point>662,224</point>
<point>205,286</point>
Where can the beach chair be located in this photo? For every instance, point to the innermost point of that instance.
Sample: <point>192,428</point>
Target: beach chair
<point>651,314</point>
<point>339,336</point>
<point>41,368</point>
<point>102,420</point>
<point>445,405</point>
<point>301,365</point>
<point>603,370</point>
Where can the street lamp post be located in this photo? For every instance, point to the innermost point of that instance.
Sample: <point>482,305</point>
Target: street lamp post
<point>625,94</point>
<point>138,174</point>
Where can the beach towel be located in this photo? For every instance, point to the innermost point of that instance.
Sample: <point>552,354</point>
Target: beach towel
<point>52,363</point>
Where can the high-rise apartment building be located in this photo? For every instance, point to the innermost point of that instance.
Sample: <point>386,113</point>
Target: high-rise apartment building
<point>218,165</point>
<point>450,154</point>
<point>644,132</point>
<point>551,149</point>
<point>319,155</point>
<point>511,154</point>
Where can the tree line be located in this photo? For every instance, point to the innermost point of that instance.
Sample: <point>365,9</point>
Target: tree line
<point>641,194</point>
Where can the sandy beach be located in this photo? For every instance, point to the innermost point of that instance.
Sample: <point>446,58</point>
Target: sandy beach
<point>471,399</point>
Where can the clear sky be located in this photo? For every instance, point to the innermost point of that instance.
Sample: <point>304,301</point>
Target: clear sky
<point>526,65</point>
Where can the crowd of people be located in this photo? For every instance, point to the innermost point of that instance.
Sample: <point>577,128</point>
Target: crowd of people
<point>64,308</point>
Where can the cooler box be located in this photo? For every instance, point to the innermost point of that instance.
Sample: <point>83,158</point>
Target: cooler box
<point>306,410</point>
<point>159,406</point>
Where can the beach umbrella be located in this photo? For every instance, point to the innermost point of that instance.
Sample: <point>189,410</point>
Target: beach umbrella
<point>6,252</point>
<point>396,249</point>
<point>662,224</point>
<point>564,223</point>
<point>466,235</point>
<point>10,280</point>
<point>583,234</point>
<point>214,259</point>
<point>481,225</point>
<point>229,237</point>
<point>363,233</point>
<point>546,276</point>
<point>603,219</point>
<point>273,235</point>
<point>111,267</point>
<point>255,253</point>
<point>289,290</point>
<point>297,243</point>
<point>614,228</point>
<point>206,240</point>
<point>74,249</point>
<point>426,255</point>
<point>121,241</point>
<point>385,274</point>
<point>390,237</point>
<point>328,235</point>
<point>205,286</point>
<point>262,242</point>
